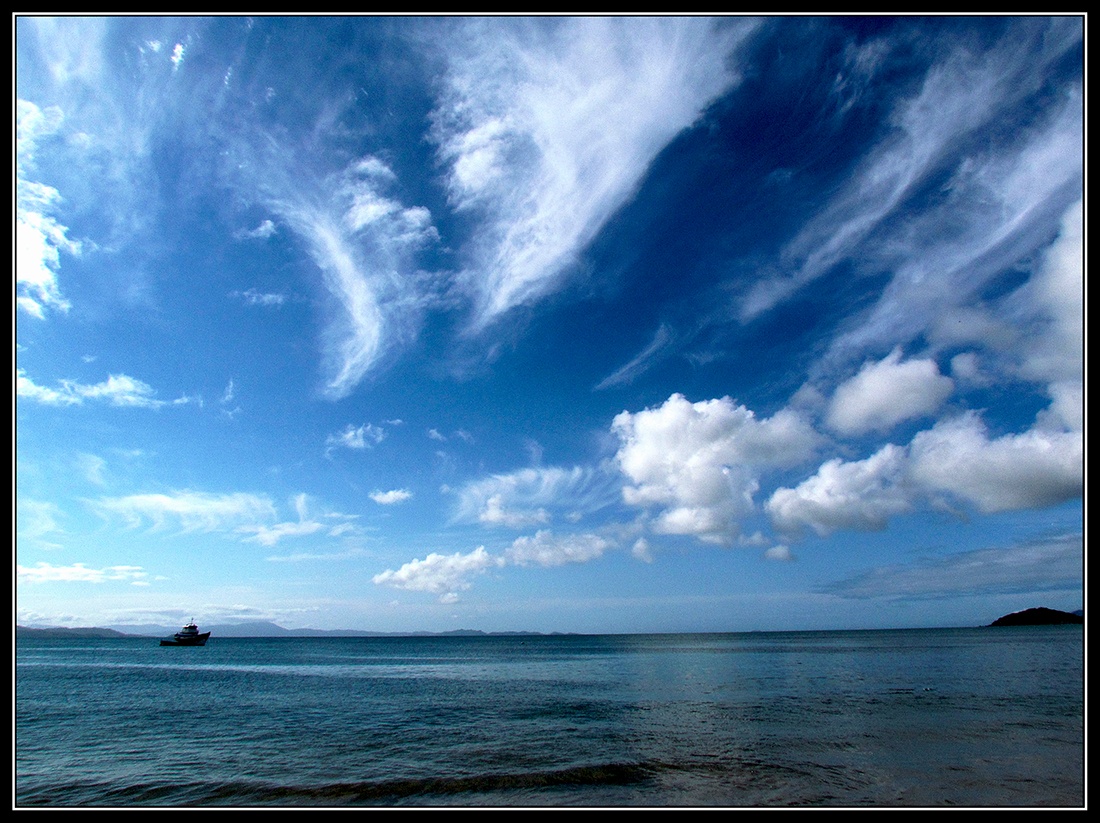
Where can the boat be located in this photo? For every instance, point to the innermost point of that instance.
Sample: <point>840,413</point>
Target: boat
<point>189,635</point>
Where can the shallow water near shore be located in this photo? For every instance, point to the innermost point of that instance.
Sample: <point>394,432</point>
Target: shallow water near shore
<point>937,717</point>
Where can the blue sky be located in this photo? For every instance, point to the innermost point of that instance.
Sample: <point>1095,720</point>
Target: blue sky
<point>595,325</point>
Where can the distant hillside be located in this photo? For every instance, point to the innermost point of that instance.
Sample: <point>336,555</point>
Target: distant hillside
<point>1039,617</point>
<point>26,631</point>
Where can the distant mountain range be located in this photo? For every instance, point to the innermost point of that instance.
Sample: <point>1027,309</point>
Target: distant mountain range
<point>253,629</point>
<point>1029,617</point>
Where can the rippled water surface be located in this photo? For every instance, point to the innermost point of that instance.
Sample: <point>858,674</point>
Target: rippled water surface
<point>962,717</point>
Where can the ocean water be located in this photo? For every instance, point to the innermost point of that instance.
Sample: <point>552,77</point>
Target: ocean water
<point>941,717</point>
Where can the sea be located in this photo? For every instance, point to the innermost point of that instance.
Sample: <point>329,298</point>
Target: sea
<point>982,717</point>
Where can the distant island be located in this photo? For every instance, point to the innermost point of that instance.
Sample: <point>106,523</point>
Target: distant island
<point>1039,617</point>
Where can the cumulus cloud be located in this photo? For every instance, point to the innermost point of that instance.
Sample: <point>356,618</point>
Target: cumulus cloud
<point>117,390</point>
<point>858,495</point>
<point>1034,469</point>
<point>440,574</point>
<point>887,392</point>
<point>547,127</point>
<point>40,239</point>
<point>79,573</point>
<point>1054,348</point>
<point>780,553</point>
<point>546,549</point>
<point>389,498</point>
<point>698,463</point>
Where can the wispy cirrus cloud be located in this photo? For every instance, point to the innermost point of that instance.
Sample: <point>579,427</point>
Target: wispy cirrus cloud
<point>1044,564</point>
<point>998,193</point>
<point>188,510</point>
<point>662,341</point>
<point>355,437</point>
<point>532,496</point>
<point>255,297</point>
<point>363,241</point>
<point>547,127</point>
<point>117,390</point>
<point>39,521</point>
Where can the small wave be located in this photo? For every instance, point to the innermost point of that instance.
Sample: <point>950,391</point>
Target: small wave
<point>410,791</point>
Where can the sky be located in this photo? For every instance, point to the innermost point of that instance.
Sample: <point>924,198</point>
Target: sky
<point>598,325</point>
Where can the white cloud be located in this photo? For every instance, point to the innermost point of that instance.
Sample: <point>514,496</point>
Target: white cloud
<point>254,297</point>
<point>270,535</point>
<point>193,511</point>
<point>641,550</point>
<point>440,574</point>
<point>363,241</point>
<point>389,498</point>
<point>545,549</point>
<point>1001,212</point>
<point>857,495</point>
<point>626,374</point>
<point>1055,351</point>
<point>698,463</point>
<point>1037,468</point>
<point>117,390</point>
<point>885,393</point>
<point>781,553</point>
<point>1030,470</point>
<point>40,239</point>
<point>356,437</point>
<point>996,197</point>
<point>528,496</point>
<point>37,519</point>
<point>79,573</point>
<point>25,387</point>
<point>548,126</point>
<point>92,468</point>
<point>264,230</point>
